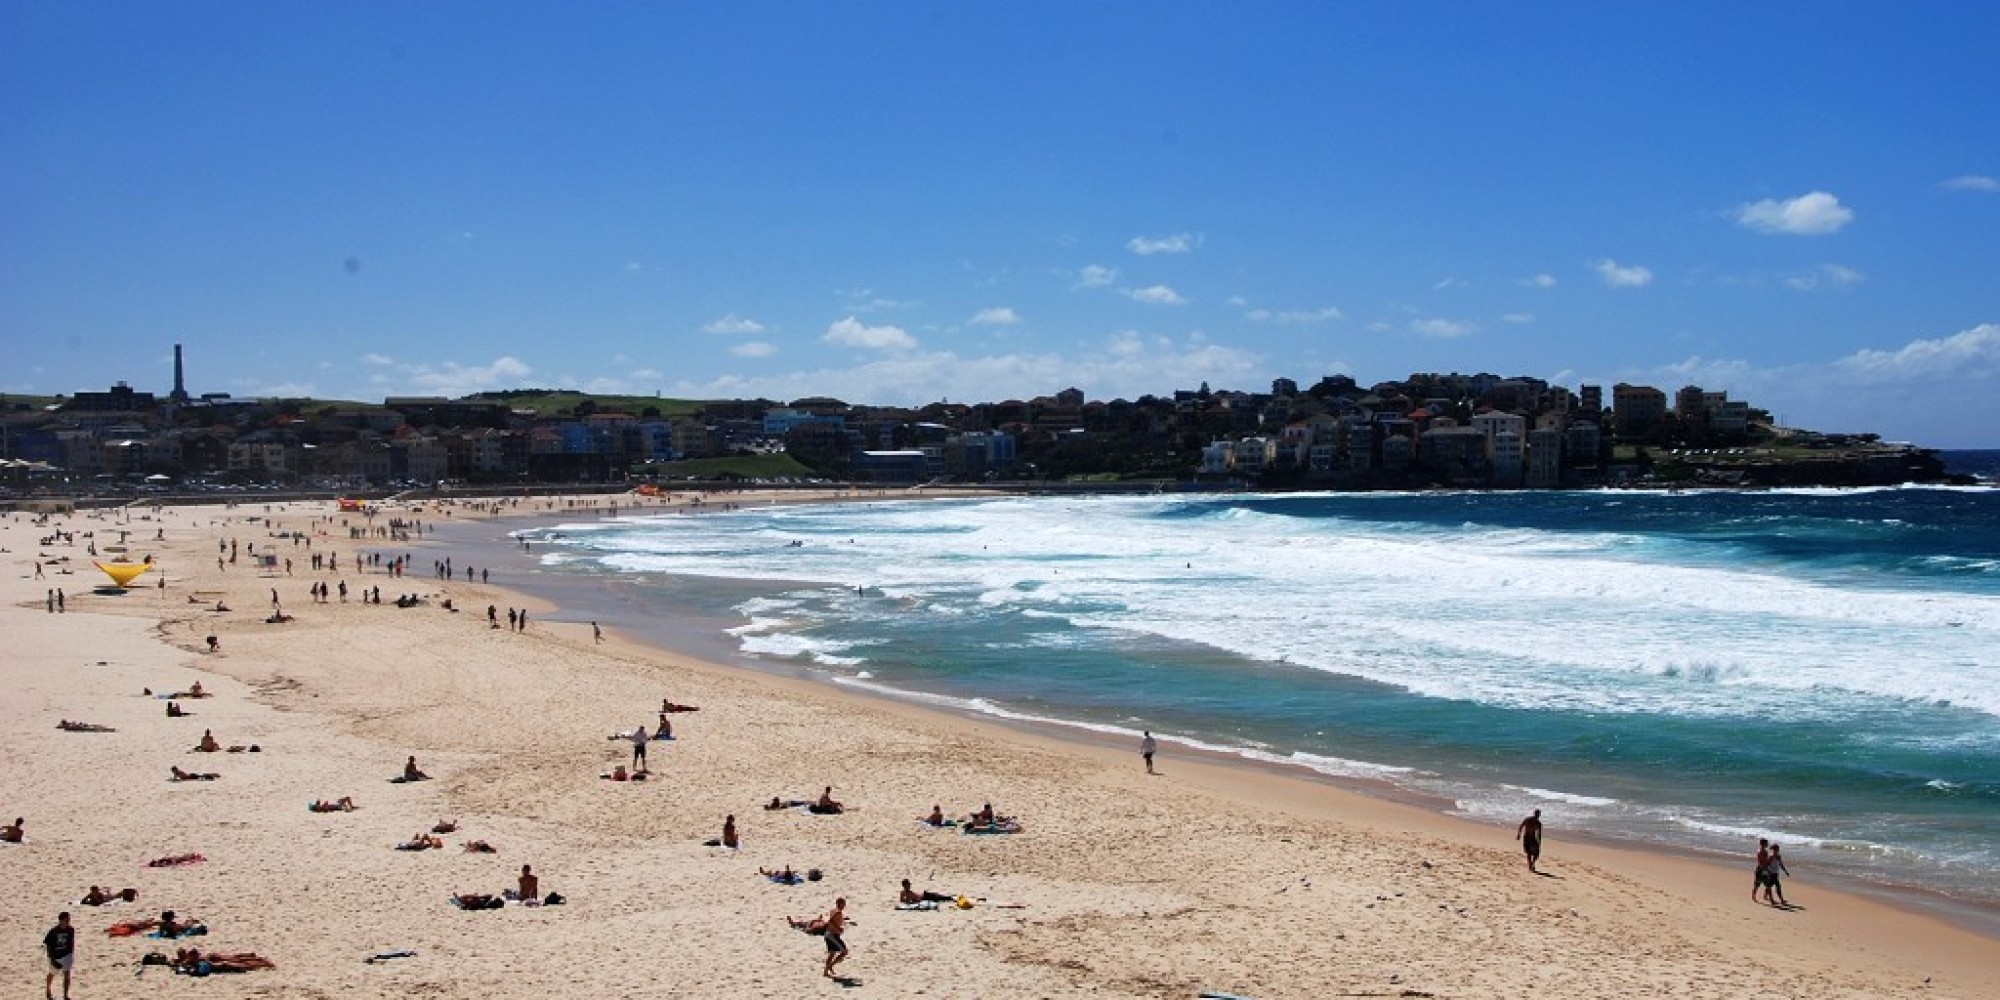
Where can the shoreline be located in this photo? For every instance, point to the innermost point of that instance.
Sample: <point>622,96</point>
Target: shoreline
<point>1216,876</point>
<point>1975,915</point>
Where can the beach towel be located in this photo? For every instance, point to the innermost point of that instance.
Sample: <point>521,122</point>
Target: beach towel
<point>127,928</point>
<point>478,902</point>
<point>927,904</point>
<point>195,931</point>
<point>793,879</point>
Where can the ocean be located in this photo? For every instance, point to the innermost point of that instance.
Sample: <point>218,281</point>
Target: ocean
<point>1692,669</point>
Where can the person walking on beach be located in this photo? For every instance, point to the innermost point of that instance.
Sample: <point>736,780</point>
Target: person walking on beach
<point>1763,862</point>
<point>1771,883</point>
<point>639,739</point>
<point>1147,746</point>
<point>596,632</point>
<point>60,943</point>
<point>1529,833</point>
<point>836,949</point>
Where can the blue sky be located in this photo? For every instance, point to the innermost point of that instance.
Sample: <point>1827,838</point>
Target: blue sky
<point>898,203</point>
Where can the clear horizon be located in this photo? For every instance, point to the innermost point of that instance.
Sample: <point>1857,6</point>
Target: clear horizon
<point>896,203</point>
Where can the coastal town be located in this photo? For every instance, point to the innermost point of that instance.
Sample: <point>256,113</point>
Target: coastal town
<point>1426,431</point>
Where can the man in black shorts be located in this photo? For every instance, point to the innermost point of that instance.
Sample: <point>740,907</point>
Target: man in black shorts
<point>836,922</point>
<point>1529,833</point>
<point>60,942</point>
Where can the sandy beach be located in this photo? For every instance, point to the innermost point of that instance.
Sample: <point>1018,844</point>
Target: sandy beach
<point>1208,876</point>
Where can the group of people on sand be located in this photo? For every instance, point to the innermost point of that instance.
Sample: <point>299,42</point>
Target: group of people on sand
<point>527,891</point>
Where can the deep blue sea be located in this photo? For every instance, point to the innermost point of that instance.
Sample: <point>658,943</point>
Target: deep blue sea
<point>1696,669</point>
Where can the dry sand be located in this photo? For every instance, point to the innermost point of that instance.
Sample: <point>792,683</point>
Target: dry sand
<point>1209,876</point>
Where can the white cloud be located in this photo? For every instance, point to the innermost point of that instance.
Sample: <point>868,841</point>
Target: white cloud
<point>1441,328</point>
<point>1096,276</point>
<point>451,379</point>
<point>734,324</point>
<point>1891,392</point>
<point>1176,243</point>
<point>1540,281</point>
<point>1126,364</point>
<point>753,349</point>
<point>276,390</point>
<point>1000,316</point>
<point>1622,277</point>
<point>1238,301</point>
<point>1972,182</point>
<point>850,332</point>
<point>1973,353</point>
<point>1294,317</point>
<point>1815,214</point>
<point>377,359</point>
<point>1518,318</point>
<point>1832,276</point>
<point>649,374</point>
<point>1157,295</point>
<point>1448,283</point>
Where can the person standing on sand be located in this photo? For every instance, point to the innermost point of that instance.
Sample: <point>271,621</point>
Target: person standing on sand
<point>836,949</point>
<point>639,739</point>
<point>596,633</point>
<point>1529,833</point>
<point>1147,746</point>
<point>60,943</point>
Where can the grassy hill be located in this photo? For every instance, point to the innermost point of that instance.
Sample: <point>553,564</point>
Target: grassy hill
<point>561,402</point>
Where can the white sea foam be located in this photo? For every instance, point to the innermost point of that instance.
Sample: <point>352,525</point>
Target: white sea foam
<point>1566,797</point>
<point>1517,617</point>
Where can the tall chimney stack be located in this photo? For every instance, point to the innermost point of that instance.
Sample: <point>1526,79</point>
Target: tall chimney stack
<point>180,393</point>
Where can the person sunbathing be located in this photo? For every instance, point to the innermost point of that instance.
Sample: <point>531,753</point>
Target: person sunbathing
<point>83,727</point>
<point>343,804</point>
<point>618,773</point>
<point>530,887</point>
<point>477,900</point>
<point>180,775</point>
<point>815,925</point>
<point>936,818</point>
<point>669,705</point>
<point>175,860</point>
<point>776,804</point>
<point>982,817</point>
<point>207,744</point>
<point>192,962</point>
<point>421,842</point>
<point>413,773</point>
<point>480,847</point>
<point>445,826</point>
<point>175,711</point>
<point>194,691</point>
<point>14,834</point>
<point>98,897</point>
<point>826,806</point>
<point>171,926</point>
<point>783,876</point>
<point>909,896</point>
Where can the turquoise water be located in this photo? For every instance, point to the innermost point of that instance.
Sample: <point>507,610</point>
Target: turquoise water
<point>1697,669</point>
